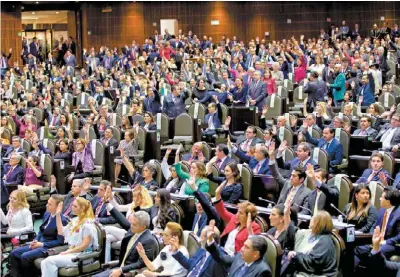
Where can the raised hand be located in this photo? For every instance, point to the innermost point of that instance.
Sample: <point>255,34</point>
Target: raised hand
<point>59,208</point>
<point>377,238</point>
<point>248,224</point>
<point>174,244</point>
<point>271,150</point>
<point>310,171</point>
<point>140,250</point>
<point>210,231</point>
<point>169,150</point>
<point>227,121</point>
<point>383,177</point>
<point>265,110</point>
<point>283,146</point>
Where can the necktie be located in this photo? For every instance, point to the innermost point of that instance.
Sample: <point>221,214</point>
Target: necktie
<point>257,168</point>
<point>218,163</point>
<point>9,172</point>
<point>128,248</point>
<point>196,226</point>
<point>384,223</point>
<point>373,174</point>
<point>301,164</point>
<point>242,271</point>
<point>68,210</point>
<point>245,146</point>
<point>363,133</point>
<point>96,214</point>
<point>327,146</point>
<point>291,194</point>
<point>196,270</point>
<point>316,202</point>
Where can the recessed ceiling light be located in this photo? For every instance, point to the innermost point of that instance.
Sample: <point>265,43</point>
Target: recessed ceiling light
<point>57,12</point>
<point>33,12</point>
<point>37,2</point>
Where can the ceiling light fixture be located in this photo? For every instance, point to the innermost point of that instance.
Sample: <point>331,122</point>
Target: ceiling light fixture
<point>33,12</point>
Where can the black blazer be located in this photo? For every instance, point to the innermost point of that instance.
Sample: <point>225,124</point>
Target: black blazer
<point>152,126</point>
<point>209,209</point>
<point>133,260</point>
<point>231,193</point>
<point>287,238</point>
<point>363,223</point>
<point>257,269</point>
<point>153,212</point>
<point>330,194</point>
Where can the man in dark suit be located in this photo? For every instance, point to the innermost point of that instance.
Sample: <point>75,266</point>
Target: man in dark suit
<point>196,153</point>
<point>174,103</point>
<point>76,191</point>
<point>222,152</point>
<point>389,224</point>
<point>303,158</point>
<point>389,133</point>
<point>249,262</point>
<point>99,204</point>
<point>70,63</point>
<point>201,264</point>
<point>396,182</point>
<point>259,163</point>
<point>152,103</point>
<point>129,258</point>
<point>323,195</point>
<point>22,258</point>
<point>330,144</point>
<point>365,128</point>
<point>34,47</point>
<point>243,142</point>
<point>316,90</point>
<point>213,119</point>
<point>205,212</point>
<point>13,173</point>
<point>293,188</point>
<point>257,91</point>
<point>108,139</point>
<point>15,148</point>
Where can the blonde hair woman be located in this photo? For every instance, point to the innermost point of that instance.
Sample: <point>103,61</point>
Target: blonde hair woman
<point>80,234</point>
<point>141,200</point>
<point>18,218</point>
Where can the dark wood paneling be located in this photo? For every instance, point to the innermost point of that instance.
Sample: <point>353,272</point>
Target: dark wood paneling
<point>10,26</point>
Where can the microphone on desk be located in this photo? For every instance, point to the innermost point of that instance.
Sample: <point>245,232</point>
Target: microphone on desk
<point>123,181</point>
<point>339,211</point>
<point>307,209</point>
<point>266,200</point>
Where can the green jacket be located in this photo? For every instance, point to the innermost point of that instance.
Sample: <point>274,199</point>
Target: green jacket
<point>201,183</point>
<point>339,87</point>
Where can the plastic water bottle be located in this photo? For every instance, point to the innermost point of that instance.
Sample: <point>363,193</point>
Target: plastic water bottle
<point>340,218</point>
<point>269,206</point>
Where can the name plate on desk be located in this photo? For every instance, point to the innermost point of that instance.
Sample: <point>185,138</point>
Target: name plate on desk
<point>351,234</point>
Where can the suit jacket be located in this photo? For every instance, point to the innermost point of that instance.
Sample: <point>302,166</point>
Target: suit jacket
<point>367,91</point>
<point>152,104</point>
<point>16,177</point>
<point>225,162</point>
<point>335,149</point>
<point>257,269</point>
<point>48,234</point>
<point>209,210</point>
<point>367,172</point>
<point>174,109</point>
<point>383,129</point>
<point>397,181</point>
<point>316,91</point>
<point>70,61</point>
<point>133,260</point>
<point>210,268</point>
<point>216,117</point>
<point>330,194</point>
<point>363,223</point>
<point>241,139</point>
<point>264,169</point>
<point>203,221</point>
<point>293,163</point>
<point>34,49</point>
<point>152,126</point>
<point>379,263</point>
<point>371,132</point>
<point>103,216</point>
<point>301,196</point>
<point>258,91</point>
<point>68,199</point>
<point>392,233</point>
<point>111,142</point>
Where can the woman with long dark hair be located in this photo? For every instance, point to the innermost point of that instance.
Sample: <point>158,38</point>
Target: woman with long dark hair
<point>162,212</point>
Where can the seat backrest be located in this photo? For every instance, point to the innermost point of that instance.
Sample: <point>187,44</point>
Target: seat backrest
<point>320,156</point>
<point>11,122</point>
<point>191,242</point>
<point>285,133</point>
<point>376,193</point>
<point>197,111</point>
<point>185,166</point>
<point>288,154</point>
<point>179,212</point>
<point>158,176</point>
<point>116,133</point>
<point>282,92</point>
<point>274,102</point>
<point>164,132</point>
<point>49,144</point>
<point>247,178</point>
<point>388,163</point>
<point>46,164</point>
<point>82,100</point>
<point>259,132</point>
<point>299,95</point>
<point>288,84</point>
<point>75,123</point>
<point>344,139</point>
<point>339,248</point>
<point>183,125</point>
<point>26,146</point>
<point>69,97</point>
<point>273,256</point>
<point>92,134</point>
<point>114,120</point>
<point>98,152</point>
<point>387,100</point>
<point>206,149</point>
<point>137,118</point>
<point>262,223</point>
<point>224,109</point>
<point>316,133</point>
<point>123,109</point>
<point>107,101</point>
<point>141,135</point>
<point>213,186</point>
<point>38,113</point>
<point>345,186</point>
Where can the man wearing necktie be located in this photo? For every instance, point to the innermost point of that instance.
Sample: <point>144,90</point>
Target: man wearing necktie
<point>365,128</point>
<point>249,262</point>
<point>22,258</point>
<point>258,91</point>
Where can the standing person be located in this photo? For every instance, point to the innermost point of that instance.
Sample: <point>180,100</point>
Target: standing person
<point>338,86</point>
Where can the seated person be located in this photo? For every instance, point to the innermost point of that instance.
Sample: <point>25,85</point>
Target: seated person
<point>197,177</point>
<point>303,158</point>
<point>250,262</point>
<point>396,182</point>
<point>15,147</point>
<point>141,201</point>
<point>173,241</point>
<point>146,179</point>
<point>162,211</point>
<point>34,175</point>
<point>100,125</point>
<point>19,217</point>
<point>238,94</point>
<point>376,173</point>
<point>129,146</point>
<point>293,188</point>
<point>361,212</point>
<point>99,204</point>
<point>22,258</point>
<point>389,222</point>
<point>148,123</point>
<point>323,194</point>
<point>258,163</point>
<point>283,220</point>
<point>239,226</point>
<point>196,153</point>
<point>243,142</point>
<point>80,235</point>
<point>38,149</point>
<point>76,191</point>
<point>173,182</point>
<point>129,258</point>
<point>221,153</point>
<point>82,159</point>
<point>201,264</point>
<point>330,144</point>
<point>232,188</point>
<point>389,133</point>
<point>314,252</point>
<point>365,128</point>
<point>13,173</point>
<point>65,151</point>
<point>213,119</point>
<point>108,139</point>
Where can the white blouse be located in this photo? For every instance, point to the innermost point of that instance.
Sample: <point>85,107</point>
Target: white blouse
<point>76,238</point>
<point>171,266</point>
<point>19,222</point>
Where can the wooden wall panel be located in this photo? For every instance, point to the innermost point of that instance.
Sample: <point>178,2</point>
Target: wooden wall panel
<point>10,26</point>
